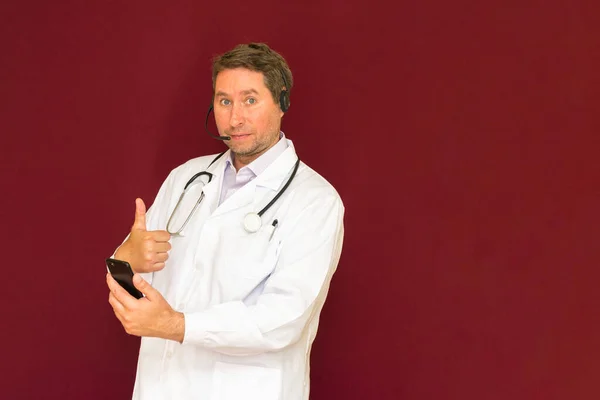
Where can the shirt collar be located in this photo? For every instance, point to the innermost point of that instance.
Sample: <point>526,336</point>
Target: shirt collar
<point>259,165</point>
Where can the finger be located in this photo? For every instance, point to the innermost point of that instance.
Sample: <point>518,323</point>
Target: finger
<point>118,308</point>
<point>161,247</point>
<point>157,258</point>
<point>158,266</point>
<point>109,281</point>
<point>139,223</point>
<point>144,287</point>
<point>118,316</point>
<point>113,285</point>
<point>160,257</point>
<point>161,236</point>
<point>152,266</point>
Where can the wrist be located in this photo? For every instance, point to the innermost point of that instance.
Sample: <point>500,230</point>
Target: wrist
<point>176,327</point>
<point>124,253</point>
<point>121,253</point>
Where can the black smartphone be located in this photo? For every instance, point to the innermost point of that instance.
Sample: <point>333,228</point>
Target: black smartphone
<point>121,271</point>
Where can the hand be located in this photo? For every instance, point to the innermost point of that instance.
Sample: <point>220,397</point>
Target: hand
<point>149,316</point>
<point>146,251</point>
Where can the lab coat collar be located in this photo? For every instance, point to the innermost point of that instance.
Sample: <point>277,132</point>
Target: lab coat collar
<point>274,175</point>
<point>272,179</point>
<point>259,165</point>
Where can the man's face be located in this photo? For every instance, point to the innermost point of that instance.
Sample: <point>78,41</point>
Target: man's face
<point>245,111</point>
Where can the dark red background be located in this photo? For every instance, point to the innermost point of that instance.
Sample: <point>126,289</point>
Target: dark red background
<point>462,136</point>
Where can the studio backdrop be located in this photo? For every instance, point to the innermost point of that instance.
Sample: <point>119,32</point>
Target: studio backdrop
<point>462,137</point>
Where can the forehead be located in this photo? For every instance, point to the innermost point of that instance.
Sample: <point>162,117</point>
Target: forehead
<point>239,79</point>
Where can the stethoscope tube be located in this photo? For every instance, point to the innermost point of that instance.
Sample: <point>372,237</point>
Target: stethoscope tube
<point>189,182</point>
<point>283,189</point>
<point>252,221</point>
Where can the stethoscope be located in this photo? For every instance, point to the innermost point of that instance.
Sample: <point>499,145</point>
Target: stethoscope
<point>252,220</point>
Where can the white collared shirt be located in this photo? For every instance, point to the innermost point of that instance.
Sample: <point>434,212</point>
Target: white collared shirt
<point>234,180</point>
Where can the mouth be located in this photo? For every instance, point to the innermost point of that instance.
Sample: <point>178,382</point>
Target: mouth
<point>239,136</point>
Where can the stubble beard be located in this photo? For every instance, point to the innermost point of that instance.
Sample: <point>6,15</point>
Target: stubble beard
<point>256,147</point>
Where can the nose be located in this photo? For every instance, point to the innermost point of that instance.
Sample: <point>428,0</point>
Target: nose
<point>237,115</point>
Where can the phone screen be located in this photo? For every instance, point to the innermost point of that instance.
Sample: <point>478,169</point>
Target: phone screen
<point>122,273</point>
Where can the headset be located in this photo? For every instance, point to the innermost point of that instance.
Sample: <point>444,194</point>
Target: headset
<point>284,96</point>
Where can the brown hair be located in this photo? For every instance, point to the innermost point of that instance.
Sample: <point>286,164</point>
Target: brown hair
<point>260,58</point>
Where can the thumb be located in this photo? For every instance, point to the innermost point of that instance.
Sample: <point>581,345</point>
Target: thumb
<point>144,287</point>
<point>139,223</point>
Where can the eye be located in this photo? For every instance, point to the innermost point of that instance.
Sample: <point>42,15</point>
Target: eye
<point>251,100</point>
<point>224,102</point>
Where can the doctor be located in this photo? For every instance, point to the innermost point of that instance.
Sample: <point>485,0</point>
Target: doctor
<point>232,300</point>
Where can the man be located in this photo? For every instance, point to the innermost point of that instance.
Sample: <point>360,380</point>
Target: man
<point>235,284</point>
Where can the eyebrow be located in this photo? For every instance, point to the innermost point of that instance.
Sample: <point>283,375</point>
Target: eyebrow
<point>220,93</point>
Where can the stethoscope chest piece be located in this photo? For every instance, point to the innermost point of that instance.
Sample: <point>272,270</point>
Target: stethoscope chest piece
<point>252,222</point>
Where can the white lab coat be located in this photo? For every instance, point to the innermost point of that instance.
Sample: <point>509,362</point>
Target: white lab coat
<point>251,300</point>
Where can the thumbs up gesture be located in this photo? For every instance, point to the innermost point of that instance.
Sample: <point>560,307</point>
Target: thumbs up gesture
<point>144,250</point>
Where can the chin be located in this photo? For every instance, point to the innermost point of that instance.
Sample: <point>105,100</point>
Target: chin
<point>240,149</point>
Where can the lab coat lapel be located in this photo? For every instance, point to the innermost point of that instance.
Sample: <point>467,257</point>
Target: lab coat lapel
<point>212,193</point>
<point>275,173</point>
<point>263,186</point>
<point>239,199</point>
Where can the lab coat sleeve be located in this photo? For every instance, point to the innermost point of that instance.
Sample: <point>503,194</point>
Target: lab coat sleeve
<point>292,296</point>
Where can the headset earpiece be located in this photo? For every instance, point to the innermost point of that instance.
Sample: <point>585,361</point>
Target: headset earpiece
<point>284,100</point>
<point>284,96</point>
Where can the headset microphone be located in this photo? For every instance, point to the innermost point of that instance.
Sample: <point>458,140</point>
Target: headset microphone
<point>206,127</point>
